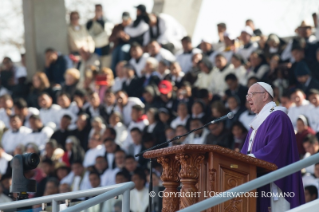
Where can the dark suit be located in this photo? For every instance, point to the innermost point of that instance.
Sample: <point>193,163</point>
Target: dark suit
<point>60,136</point>
<point>134,89</point>
<point>241,92</point>
<point>141,160</point>
<point>83,136</point>
<point>102,113</point>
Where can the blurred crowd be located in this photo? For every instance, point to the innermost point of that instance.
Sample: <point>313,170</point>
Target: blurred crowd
<point>127,87</point>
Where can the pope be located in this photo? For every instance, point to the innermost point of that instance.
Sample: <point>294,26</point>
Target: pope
<point>271,138</point>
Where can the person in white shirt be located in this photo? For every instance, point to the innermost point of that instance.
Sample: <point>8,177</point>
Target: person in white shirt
<point>247,116</point>
<point>68,108</point>
<point>107,174</point>
<point>21,109</point>
<point>185,58</point>
<point>259,66</point>
<point>182,116</point>
<point>248,46</point>
<point>301,107</point>
<point>139,195</point>
<point>120,76</point>
<point>40,134</point>
<point>110,148</point>
<point>239,70</point>
<point>15,136</point>
<point>199,136</point>
<point>49,112</point>
<point>6,109</point>
<point>119,127</point>
<point>218,84</point>
<point>313,113</point>
<point>155,50</point>
<point>205,77</point>
<point>207,49</point>
<point>78,178</point>
<point>166,30</point>
<point>96,148</point>
<point>124,105</point>
<point>138,60</point>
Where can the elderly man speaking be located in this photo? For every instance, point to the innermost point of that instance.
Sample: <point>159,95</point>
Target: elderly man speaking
<point>271,138</point>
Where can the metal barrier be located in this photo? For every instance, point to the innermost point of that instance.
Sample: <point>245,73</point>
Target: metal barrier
<point>104,193</point>
<point>254,184</point>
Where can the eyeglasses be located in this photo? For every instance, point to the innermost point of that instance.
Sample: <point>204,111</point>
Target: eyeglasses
<point>250,95</point>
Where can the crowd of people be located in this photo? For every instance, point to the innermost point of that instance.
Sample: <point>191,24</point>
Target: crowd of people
<point>87,118</point>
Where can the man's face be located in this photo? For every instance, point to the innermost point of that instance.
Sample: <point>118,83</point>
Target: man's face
<point>135,115</point>
<point>175,69</point>
<point>182,110</point>
<point>130,164</point>
<point>120,179</point>
<point>77,169</point>
<point>163,117</point>
<point>94,180</point>
<point>7,64</point>
<point>75,19</point>
<point>215,129</point>
<point>48,149</point>
<point>232,84</point>
<point>302,79</point>
<point>136,52</point>
<point>64,101</point>
<point>95,100</point>
<point>34,123</point>
<point>81,122</point>
<point>309,148</point>
<point>51,56</point>
<point>154,48</point>
<point>136,137</point>
<point>15,123</point>
<point>50,188</point>
<point>232,103</point>
<point>110,146</point>
<point>285,102</point>
<point>100,164</point>
<point>6,103</point>
<point>64,188</point>
<point>139,183</point>
<point>45,101</point>
<point>245,37</point>
<point>109,98</point>
<point>297,54</point>
<point>119,159</point>
<point>98,11</point>
<point>187,46</point>
<point>298,97</point>
<point>126,22</point>
<point>205,46</point>
<point>94,141</point>
<point>308,196</point>
<point>314,99</point>
<point>256,101</point>
<point>64,124</point>
<point>47,168</point>
<point>147,97</point>
<point>194,125</point>
<point>121,98</point>
<point>220,62</point>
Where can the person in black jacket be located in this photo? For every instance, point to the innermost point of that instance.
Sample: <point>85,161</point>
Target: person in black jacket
<point>96,108</point>
<point>61,134</point>
<point>82,130</point>
<point>155,127</point>
<point>133,85</point>
<point>48,169</point>
<point>234,88</point>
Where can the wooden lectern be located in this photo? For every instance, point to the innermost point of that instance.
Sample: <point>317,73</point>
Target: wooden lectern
<point>204,170</point>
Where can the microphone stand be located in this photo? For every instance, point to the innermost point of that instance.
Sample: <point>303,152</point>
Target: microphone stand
<point>162,144</point>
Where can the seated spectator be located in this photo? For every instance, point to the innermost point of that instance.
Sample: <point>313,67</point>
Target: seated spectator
<point>169,133</point>
<point>47,166</point>
<point>304,80</point>
<point>139,195</point>
<point>247,116</point>
<point>55,66</point>
<point>64,188</point>
<point>130,165</point>
<point>95,182</point>
<point>198,111</point>
<point>198,136</point>
<point>314,111</point>
<point>52,152</point>
<point>119,157</point>
<point>40,84</point>
<point>137,146</point>
<point>109,133</point>
<point>191,75</point>
<point>177,75</point>
<point>78,35</point>
<point>96,108</point>
<point>235,88</point>
<point>139,119</point>
<point>251,80</point>
<point>151,98</point>
<point>205,77</point>
<point>164,117</point>
<point>167,97</point>
<point>185,58</point>
<point>21,109</point>
<point>155,127</point>
<point>218,85</point>
<point>150,77</point>
<point>6,109</point>
<point>73,151</point>
<point>180,130</point>
<point>301,106</point>
<point>95,149</point>
<point>303,129</point>
<point>82,130</point>
<point>51,187</point>
<point>207,49</point>
<point>234,106</point>
<point>68,108</point>
<point>285,100</point>
<point>109,104</point>
<point>311,145</point>
<point>98,126</point>
<point>138,58</point>
<point>107,174</point>
<point>311,193</point>
<point>71,80</point>
<point>5,160</point>
<point>120,129</point>
<point>239,69</point>
<point>259,66</point>
<point>239,134</point>
<point>104,81</point>
<point>132,85</point>
<point>78,178</point>
<point>230,47</point>
<point>40,134</point>
<point>218,109</point>
<point>110,148</point>
<point>61,134</point>
<point>156,51</point>
<point>15,135</point>
<point>163,69</point>
<point>120,76</point>
<point>49,111</point>
<point>219,136</point>
<point>182,116</point>
<point>248,46</point>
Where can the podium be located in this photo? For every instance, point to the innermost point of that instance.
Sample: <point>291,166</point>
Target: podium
<point>203,171</point>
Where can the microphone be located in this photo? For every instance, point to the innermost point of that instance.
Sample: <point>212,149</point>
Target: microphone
<point>229,115</point>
